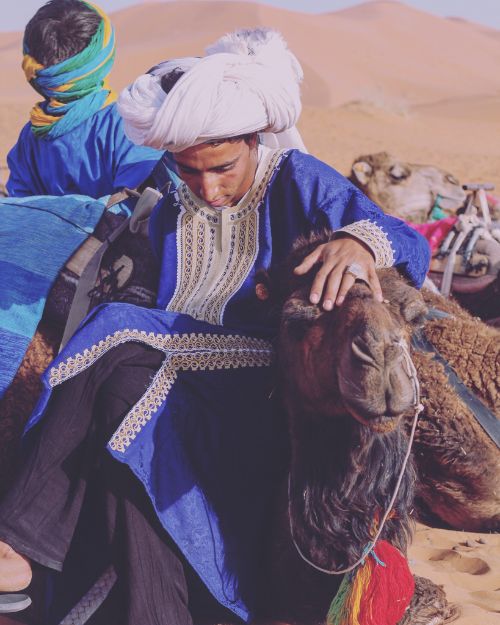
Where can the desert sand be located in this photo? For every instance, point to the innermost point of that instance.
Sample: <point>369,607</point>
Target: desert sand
<point>379,76</point>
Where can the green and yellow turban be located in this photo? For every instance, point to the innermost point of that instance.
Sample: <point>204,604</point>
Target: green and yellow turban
<point>77,87</point>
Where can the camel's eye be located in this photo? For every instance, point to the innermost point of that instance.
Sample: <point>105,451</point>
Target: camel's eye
<point>398,172</point>
<point>451,179</point>
<point>298,316</point>
<point>414,310</point>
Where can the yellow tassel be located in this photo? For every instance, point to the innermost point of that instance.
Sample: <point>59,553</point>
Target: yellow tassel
<point>359,585</point>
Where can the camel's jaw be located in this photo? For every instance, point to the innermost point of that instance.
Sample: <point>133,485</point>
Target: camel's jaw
<point>381,424</point>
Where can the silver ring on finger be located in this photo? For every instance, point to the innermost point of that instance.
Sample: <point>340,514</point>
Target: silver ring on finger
<point>356,271</point>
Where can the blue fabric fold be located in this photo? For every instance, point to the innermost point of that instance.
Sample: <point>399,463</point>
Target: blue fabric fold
<point>208,445</point>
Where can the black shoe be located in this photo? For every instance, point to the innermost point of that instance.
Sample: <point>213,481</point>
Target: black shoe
<point>13,602</point>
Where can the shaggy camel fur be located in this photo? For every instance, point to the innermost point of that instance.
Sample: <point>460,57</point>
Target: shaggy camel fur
<point>346,387</point>
<point>22,395</point>
<point>458,464</point>
<point>406,190</point>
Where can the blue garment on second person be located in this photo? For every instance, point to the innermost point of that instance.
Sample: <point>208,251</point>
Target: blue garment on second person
<point>95,159</point>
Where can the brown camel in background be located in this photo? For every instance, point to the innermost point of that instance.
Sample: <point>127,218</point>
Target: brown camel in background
<point>414,193</point>
<point>406,190</point>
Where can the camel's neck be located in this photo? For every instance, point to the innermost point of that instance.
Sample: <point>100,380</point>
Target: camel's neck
<point>342,478</point>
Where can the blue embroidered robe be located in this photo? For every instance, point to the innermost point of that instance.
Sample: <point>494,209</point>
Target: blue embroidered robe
<point>205,439</point>
<point>301,194</point>
<point>94,159</point>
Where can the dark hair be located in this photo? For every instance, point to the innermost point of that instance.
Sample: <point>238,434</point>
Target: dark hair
<point>248,138</point>
<point>168,80</point>
<point>59,30</point>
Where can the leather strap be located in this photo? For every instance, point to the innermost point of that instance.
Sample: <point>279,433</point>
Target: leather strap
<point>484,416</point>
<point>83,299</point>
<point>121,196</point>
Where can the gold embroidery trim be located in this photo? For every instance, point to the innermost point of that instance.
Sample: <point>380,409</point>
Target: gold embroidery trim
<point>377,240</point>
<point>184,352</point>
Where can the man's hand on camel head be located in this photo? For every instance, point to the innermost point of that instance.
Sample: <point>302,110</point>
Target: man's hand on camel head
<point>342,262</point>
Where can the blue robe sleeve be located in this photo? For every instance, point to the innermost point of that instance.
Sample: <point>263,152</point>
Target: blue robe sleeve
<point>20,176</point>
<point>330,200</point>
<point>133,163</point>
<point>95,158</point>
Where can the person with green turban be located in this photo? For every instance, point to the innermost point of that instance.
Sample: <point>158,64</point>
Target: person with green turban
<point>74,141</point>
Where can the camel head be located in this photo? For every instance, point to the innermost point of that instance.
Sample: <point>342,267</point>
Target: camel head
<point>351,360</point>
<point>346,386</point>
<point>412,192</point>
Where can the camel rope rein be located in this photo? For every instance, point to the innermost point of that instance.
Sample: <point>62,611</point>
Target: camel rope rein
<point>411,372</point>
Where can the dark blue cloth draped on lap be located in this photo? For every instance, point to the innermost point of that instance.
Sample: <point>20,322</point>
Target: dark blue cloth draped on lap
<point>204,440</point>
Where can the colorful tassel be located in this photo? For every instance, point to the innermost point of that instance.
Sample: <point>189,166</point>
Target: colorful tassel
<point>377,592</point>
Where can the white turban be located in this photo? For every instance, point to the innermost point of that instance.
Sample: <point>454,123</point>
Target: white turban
<point>247,82</point>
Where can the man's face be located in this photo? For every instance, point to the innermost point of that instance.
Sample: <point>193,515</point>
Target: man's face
<point>219,174</point>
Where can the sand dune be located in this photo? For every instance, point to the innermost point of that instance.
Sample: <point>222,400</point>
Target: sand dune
<point>369,70</point>
<point>378,47</point>
<point>379,76</point>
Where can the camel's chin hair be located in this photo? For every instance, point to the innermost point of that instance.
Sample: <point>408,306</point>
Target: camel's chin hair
<point>382,424</point>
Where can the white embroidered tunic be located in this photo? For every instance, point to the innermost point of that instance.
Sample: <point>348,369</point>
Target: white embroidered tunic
<point>217,248</point>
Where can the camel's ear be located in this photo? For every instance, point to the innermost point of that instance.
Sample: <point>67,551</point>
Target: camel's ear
<point>362,171</point>
<point>399,172</point>
<point>405,301</point>
<point>415,312</point>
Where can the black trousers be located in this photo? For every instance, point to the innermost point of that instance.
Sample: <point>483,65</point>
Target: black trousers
<point>73,508</point>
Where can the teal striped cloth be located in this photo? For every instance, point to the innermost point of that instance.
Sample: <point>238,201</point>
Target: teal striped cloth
<point>37,236</point>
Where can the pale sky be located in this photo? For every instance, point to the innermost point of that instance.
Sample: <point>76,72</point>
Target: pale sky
<point>16,14</point>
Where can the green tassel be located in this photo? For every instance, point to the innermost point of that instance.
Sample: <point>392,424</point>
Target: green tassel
<point>335,613</point>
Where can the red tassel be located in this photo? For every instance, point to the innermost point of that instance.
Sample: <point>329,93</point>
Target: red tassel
<point>390,589</point>
<point>377,592</point>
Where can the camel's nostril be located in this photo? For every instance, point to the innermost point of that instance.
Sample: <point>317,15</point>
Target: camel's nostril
<point>393,352</point>
<point>361,350</point>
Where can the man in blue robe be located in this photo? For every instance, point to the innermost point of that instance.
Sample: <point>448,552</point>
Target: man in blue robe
<point>180,396</point>
<point>75,141</point>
